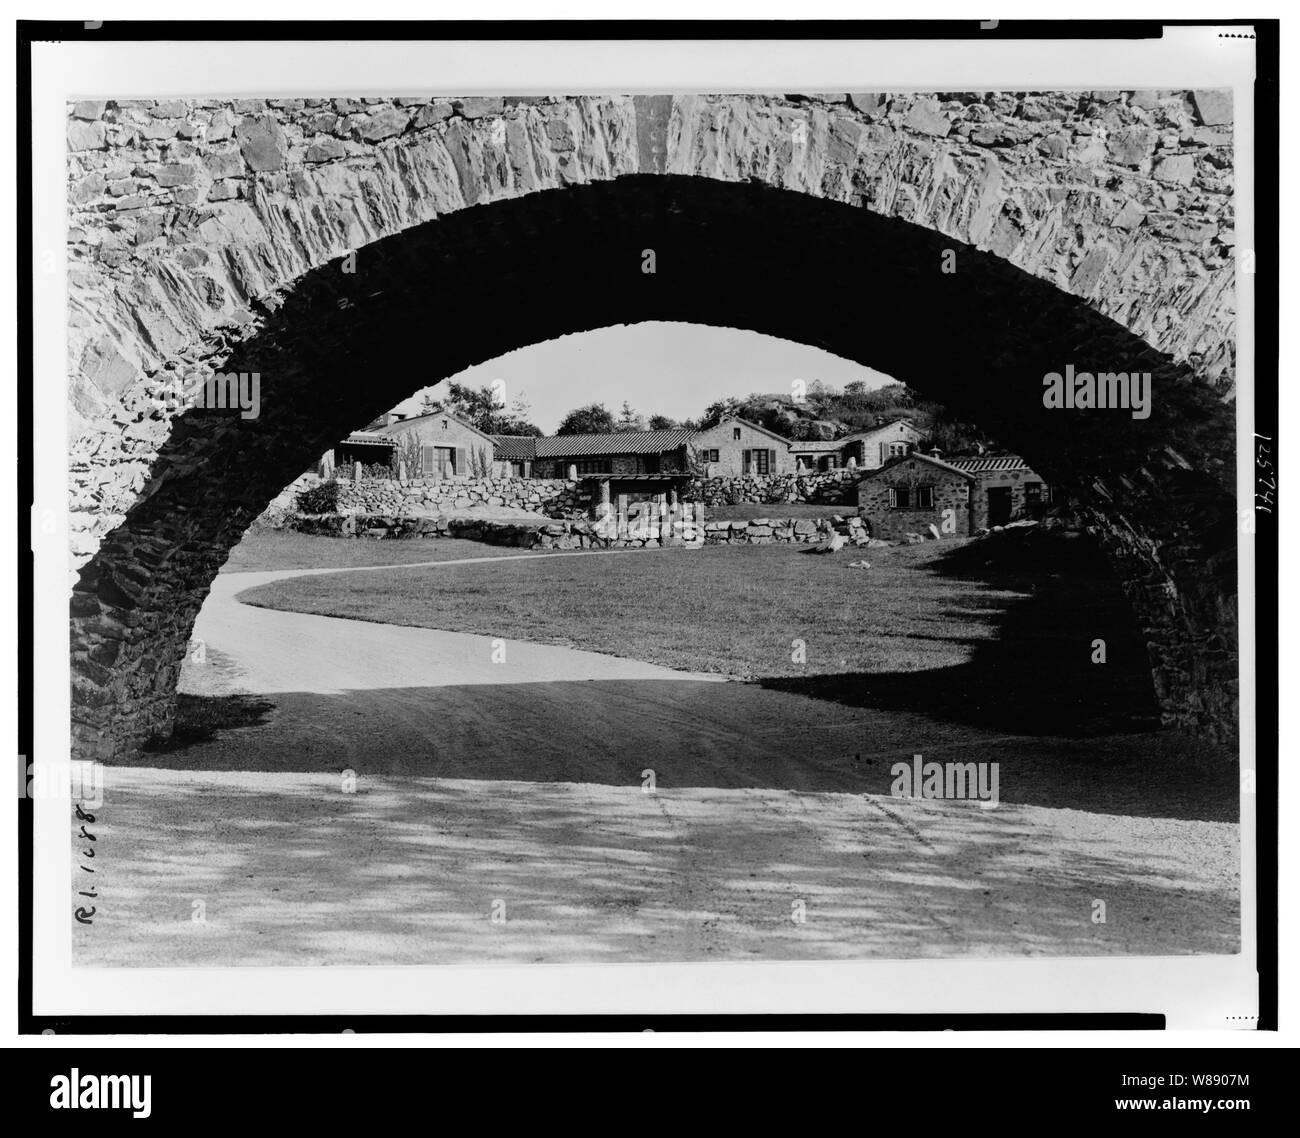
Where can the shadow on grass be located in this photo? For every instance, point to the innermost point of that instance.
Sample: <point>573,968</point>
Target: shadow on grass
<point>1056,598</point>
<point>696,734</point>
<point>200,717</point>
<point>1066,733</point>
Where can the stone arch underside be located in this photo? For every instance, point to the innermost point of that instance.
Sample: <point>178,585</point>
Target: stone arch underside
<point>187,217</point>
<point>339,347</point>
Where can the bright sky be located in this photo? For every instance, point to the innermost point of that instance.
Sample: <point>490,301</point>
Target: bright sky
<point>659,368</point>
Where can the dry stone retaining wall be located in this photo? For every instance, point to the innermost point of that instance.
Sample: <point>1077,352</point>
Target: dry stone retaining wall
<point>556,497</point>
<point>583,533</point>
<point>832,487</point>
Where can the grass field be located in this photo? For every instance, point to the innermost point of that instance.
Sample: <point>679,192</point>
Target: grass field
<point>999,630</point>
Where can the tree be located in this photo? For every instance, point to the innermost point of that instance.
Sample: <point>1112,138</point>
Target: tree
<point>629,420</point>
<point>479,407</point>
<point>593,419</point>
<point>662,423</point>
<point>714,413</point>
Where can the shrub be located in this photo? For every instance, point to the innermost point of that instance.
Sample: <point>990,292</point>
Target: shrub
<point>320,499</point>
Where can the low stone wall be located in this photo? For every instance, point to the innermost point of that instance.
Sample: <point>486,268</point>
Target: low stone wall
<point>565,499</point>
<point>766,531</point>
<point>586,534</point>
<point>554,497</point>
<point>577,533</point>
<point>831,488</point>
<point>280,510</point>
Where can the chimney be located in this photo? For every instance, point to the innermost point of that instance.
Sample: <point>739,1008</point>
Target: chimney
<point>880,420</point>
<point>935,452</point>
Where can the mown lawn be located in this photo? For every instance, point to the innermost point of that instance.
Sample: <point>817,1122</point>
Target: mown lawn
<point>995,631</point>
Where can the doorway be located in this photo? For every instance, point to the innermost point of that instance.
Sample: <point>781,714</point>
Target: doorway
<point>999,505</point>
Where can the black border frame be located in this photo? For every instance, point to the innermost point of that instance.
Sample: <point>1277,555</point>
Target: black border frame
<point>1267,35</point>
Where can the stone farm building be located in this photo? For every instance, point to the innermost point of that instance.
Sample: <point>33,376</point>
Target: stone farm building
<point>435,445</point>
<point>913,492</point>
<point>736,447</point>
<point>869,449</point>
<point>732,448</point>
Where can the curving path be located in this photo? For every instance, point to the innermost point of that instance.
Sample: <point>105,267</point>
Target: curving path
<point>406,782</point>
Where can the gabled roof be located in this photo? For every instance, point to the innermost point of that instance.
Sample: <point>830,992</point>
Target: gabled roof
<point>981,464</point>
<point>744,423</point>
<point>866,432</point>
<point>917,456</point>
<point>514,447</point>
<point>430,415</point>
<point>622,442</point>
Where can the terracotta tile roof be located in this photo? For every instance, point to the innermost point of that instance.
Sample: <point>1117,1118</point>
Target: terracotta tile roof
<point>623,442</point>
<point>514,447</point>
<point>680,476</point>
<point>986,462</point>
<point>923,458</point>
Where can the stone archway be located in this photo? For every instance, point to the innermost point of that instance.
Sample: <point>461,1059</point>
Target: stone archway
<point>734,247</point>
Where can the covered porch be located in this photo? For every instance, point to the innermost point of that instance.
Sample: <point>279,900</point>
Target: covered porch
<point>631,503</point>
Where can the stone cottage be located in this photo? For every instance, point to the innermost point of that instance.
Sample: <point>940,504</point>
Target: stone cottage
<point>736,447</point>
<point>913,492</point>
<point>1006,490</point>
<point>435,445</point>
<point>868,449</point>
<point>871,449</point>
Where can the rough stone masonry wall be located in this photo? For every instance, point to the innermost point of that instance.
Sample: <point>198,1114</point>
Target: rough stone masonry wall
<point>951,492</point>
<point>834,487</point>
<point>556,498</point>
<point>194,224</point>
<point>562,498</point>
<point>584,533</point>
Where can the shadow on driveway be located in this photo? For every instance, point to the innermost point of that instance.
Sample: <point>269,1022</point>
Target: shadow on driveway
<point>701,734</point>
